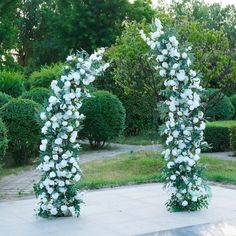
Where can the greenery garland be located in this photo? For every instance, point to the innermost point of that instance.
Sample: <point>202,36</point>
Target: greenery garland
<point>184,120</point>
<point>58,191</point>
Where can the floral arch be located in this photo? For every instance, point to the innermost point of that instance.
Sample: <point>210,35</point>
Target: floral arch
<point>58,191</point>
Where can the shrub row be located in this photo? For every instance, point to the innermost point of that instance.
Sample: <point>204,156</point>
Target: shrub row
<point>20,127</point>
<point>221,136</point>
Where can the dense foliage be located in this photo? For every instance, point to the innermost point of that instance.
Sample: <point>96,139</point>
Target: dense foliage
<point>45,76</point>
<point>218,135</point>
<point>218,138</point>
<point>105,118</point>
<point>11,83</point>
<point>233,139</point>
<point>3,140</point>
<point>4,98</point>
<point>218,106</point>
<point>233,101</point>
<point>135,83</point>
<point>19,115</point>
<point>58,190</point>
<point>39,95</point>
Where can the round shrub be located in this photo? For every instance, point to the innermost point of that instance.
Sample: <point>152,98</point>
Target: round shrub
<point>11,83</point>
<point>3,139</point>
<point>219,106</point>
<point>233,101</point>
<point>105,118</point>
<point>4,98</point>
<point>38,95</point>
<point>44,77</point>
<point>19,115</point>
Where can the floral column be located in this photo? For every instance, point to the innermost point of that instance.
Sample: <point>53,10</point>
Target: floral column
<point>184,120</point>
<point>58,191</point>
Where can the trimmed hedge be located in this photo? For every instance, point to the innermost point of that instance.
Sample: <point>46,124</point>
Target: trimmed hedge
<point>233,101</point>
<point>4,98</point>
<point>46,75</point>
<point>39,95</point>
<point>11,83</point>
<point>218,109</point>
<point>233,138</point>
<point>19,115</point>
<point>3,139</point>
<point>218,135</point>
<point>105,118</point>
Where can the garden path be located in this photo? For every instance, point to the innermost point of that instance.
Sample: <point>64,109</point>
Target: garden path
<point>21,185</point>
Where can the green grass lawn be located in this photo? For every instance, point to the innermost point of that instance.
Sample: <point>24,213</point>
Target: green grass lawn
<point>142,139</point>
<point>145,167</point>
<point>224,123</point>
<point>137,167</point>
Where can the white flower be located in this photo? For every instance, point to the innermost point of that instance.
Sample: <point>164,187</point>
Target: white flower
<point>43,116</point>
<point>52,174</point>
<point>160,58</point>
<point>42,147</point>
<point>58,141</point>
<point>181,75</point>
<point>173,177</point>
<point>162,73</point>
<point>184,203</point>
<point>64,208</point>
<point>53,211</point>
<point>184,55</point>
<point>164,52</point>
<point>53,100</point>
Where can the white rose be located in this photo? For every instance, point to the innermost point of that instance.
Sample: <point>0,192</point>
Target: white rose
<point>43,116</point>
<point>184,203</point>
<point>58,141</point>
<point>53,211</point>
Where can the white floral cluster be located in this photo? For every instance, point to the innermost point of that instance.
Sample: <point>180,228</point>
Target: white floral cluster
<point>58,190</point>
<point>184,127</point>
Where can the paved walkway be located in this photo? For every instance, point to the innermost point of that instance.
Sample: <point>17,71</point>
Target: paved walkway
<point>135,210</point>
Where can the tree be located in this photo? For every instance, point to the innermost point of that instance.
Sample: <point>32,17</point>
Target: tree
<point>8,33</point>
<point>50,29</point>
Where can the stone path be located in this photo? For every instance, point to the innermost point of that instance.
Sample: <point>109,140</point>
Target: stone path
<point>21,185</point>
<point>125,211</point>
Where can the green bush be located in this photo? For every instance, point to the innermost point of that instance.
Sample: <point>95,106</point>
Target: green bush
<point>3,139</point>
<point>233,138</point>
<point>219,106</point>
<point>44,77</point>
<point>19,115</point>
<point>105,118</point>
<point>233,101</point>
<point>217,135</point>
<point>38,95</point>
<point>11,83</point>
<point>4,98</point>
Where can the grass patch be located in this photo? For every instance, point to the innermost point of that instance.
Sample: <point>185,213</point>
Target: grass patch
<point>222,123</point>
<point>146,167</point>
<point>139,167</point>
<point>148,138</point>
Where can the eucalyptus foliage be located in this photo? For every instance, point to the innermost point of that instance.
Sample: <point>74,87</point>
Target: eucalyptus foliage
<point>58,190</point>
<point>184,120</point>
